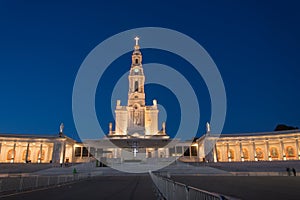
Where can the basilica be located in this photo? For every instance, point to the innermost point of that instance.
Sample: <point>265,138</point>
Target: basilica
<point>137,137</point>
<point>136,120</point>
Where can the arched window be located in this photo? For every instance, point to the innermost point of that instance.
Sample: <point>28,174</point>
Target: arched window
<point>136,61</point>
<point>136,86</point>
<point>290,152</point>
<point>10,154</point>
<point>218,155</point>
<point>274,152</point>
<point>259,153</point>
<point>231,154</point>
<point>245,153</point>
<point>42,157</point>
<point>24,155</point>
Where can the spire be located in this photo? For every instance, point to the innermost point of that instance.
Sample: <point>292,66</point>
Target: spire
<point>136,47</point>
<point>136,54</point>
<point>136,77</point>
<point>136,40</point>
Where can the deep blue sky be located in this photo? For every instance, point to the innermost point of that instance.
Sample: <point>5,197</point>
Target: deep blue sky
<point>255,45</point>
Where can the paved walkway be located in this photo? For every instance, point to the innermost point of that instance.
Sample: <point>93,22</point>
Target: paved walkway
<point>247,187</point>
<point>104,188</point>
<point>173,169</point>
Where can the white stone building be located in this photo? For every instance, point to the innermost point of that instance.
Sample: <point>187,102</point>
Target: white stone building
<point>137,137</point>
<point>136,119</point>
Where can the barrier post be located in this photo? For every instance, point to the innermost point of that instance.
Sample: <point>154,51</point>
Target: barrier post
<point>37,181</point>
<point>187,192</point>
<point>21,184</point>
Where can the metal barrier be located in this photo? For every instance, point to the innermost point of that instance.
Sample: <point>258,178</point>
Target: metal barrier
<point>173,190</point>
<point>17,183</point>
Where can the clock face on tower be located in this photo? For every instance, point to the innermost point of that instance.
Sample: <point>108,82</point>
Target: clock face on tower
<point>136,70</point>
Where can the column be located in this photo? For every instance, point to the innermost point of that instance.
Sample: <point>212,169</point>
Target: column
<point>268,156</point>
<point>27,153</point>
<point>241,152</point>
<point>175,150</point>
<point>297,148</point>
<point>224,153</point>
<point>228,153</point>
<point>40,154</point>
<point>215,153</point>
<point>115,152</point>
<point>81,151</point>
<point>63,153</point>
<point>237,156</point>
<point>53,153</point>
<point>254,151</point>
<point>282,150</point>
<point>73,153</point>
<point>167,152</point>
<point>156,152</point>
<point>14,154</point>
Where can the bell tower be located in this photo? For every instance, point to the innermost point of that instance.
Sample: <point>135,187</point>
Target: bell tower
<point>136,78</point>
<point>136,120</point>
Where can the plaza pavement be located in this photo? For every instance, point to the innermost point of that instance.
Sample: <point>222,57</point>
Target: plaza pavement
<point>247,187</point>
<point>107,183</point>
<point>104,188</point>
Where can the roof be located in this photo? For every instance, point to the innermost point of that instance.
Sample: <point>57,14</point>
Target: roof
<point>256,133</point>
<point>33,136</point>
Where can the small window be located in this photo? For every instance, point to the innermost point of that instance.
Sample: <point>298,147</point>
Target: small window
<point>179,150</point>
<point>85,152</point>
<point>92,151</point>
<point>77,151</point>
<point>136,61</point>
<point>172,151</point>
<point>193,151</point>
<point>186,151</point>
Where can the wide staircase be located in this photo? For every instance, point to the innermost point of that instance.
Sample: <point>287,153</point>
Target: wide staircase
<point>13,168</point>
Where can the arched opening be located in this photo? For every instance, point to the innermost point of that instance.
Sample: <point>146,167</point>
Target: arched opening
<point>136,61</point>
<point>290,152</point>
<point>274,153</point>
<point>24,155</point>
<point>245,154</point>
<point>10,155</point>
<point>259,154</point>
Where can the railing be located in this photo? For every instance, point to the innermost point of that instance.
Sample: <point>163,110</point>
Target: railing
<point>170,189</point>
<point>17,183</point>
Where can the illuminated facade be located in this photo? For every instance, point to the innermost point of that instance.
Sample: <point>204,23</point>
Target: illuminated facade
<point>16,148</point>
<point>265,146</point>
<point>136,120</point>
<point>136,130</point>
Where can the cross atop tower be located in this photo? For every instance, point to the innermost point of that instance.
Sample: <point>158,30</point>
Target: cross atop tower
<point>136,40</point>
